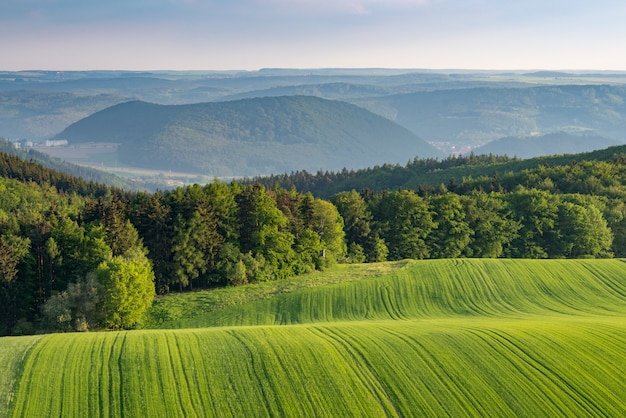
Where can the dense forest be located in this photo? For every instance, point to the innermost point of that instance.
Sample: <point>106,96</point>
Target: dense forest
<point>426,173</point>
<point>76,255</point>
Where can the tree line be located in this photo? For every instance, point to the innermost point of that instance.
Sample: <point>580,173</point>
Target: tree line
<point>525,223</point>
<point>64,175</point>
<point>87,258</point>
<point>75,262</point>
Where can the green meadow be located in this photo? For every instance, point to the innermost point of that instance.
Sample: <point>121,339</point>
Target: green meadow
<point>416,338</point>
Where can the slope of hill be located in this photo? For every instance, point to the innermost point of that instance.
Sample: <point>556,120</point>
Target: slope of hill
<point>37,115</point>
<point>550,144</point>
<point>464,288</point>
<point>248,137</point>
<point>382,87</point>
<point>466,118</point>
<point>28,169</point>
<point>430,173</point>
<point>437,338</point>
<point>334,91</point>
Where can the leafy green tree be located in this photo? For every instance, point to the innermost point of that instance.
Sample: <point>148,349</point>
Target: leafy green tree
<point>276,247</point>
<point>309,249</point>
<point>195,245</point>
<point>13,249</point>
<point>614,212</point>
<point>74,251</point>
<point>358,230</point>
<point>537,212</point>
<point>236,273</point>
<point>403,220</point>
<point>328,224</point>
<point>128,283</point>
<point>378,250</point>
<point>263,231</point>
<point>452,234</point>
<point>583,231</point>
<point>491,224</point>
<point>257,211</point>
<point>16,293</point>
<point>355,254</point>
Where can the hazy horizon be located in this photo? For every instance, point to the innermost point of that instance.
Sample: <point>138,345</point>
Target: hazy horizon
<point>254,34</point>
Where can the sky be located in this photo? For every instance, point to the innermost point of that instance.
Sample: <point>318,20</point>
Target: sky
<point>255,34</point>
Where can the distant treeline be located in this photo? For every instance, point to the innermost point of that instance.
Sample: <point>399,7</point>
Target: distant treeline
<point>60,171</point>
<point>424,173</point>
<point>65,248</point>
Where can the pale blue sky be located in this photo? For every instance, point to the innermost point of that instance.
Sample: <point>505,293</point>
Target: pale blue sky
<point>253,34</point>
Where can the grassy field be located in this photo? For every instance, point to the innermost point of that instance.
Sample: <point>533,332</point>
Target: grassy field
<point>409,289</point>
<point>199,308</point>
<point>12,352</point>
<point>423,338</point>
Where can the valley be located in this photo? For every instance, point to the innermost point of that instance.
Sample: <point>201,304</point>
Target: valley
<point>447,113</point>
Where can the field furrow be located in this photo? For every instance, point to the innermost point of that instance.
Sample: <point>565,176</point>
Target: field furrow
<point>441,289</point>
<point>436,338</point>
<point>378,368</point>
<point>13,350</point>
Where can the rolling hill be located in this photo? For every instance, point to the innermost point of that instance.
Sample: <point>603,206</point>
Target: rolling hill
<point>543,145</point>
<point>249,137</point>
<point>423,338</point>
<point>37,115</point>
<point>462,119</point>
<point>433,173</point>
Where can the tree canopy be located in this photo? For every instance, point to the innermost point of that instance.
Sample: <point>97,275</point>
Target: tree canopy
<point>72,261</point>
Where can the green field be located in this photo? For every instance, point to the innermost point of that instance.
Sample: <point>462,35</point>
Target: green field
<point>12,353</point>
<point>423,338</point>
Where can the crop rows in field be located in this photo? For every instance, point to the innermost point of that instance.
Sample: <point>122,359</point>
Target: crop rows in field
<point>486,367</point>
<point>12,353</point>
<point>439,289</point>
<point>435,338</point>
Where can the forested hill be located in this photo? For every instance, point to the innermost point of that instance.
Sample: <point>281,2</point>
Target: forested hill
<point>53,238</point>
<point>431,173</point>
<point>13,167</point>
<point>32,165</point>
<point>471,117</point>
<point>542,145</point>
<point>250,136</point>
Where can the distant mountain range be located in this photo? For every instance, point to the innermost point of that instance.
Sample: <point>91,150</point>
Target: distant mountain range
<point>463,119</point>
<point>457,112</point>
<point>250,137</point>
<point>37,115</point>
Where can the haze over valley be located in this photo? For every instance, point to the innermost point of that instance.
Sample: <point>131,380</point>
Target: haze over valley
<point>204,127</point>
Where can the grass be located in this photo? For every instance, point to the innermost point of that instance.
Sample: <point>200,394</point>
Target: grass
<point>379,368</point>
<point>422,338</point>
<point>423,289</point>
<point>12,353</point>
<point>174,310</point>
